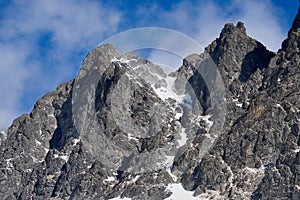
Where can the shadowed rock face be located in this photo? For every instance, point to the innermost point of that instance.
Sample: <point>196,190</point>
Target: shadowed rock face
<point>48,156</point>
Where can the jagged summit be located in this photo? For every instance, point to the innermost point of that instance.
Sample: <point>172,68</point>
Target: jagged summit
<point>125,129</point>
<point>241,61</point>
<point>234,44</point>
<point>230,28</point>
<point>296,22</point>
<point>292,43</point>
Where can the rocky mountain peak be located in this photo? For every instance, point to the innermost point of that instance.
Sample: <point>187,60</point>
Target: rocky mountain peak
<point>123,129</point>
<point>292,43</point>
<point>241,26</point>
<point>230,28</point>
<point>296,22</point>
<point>240,59</point>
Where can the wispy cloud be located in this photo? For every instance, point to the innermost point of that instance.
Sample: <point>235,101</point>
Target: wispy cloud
<point>204,21</point>
<point>40,42</point>
<point>262,21</point>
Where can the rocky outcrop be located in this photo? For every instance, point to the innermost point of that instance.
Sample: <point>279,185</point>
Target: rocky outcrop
<point>124,128</point>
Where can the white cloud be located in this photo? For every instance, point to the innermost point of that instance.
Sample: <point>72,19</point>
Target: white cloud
<point>72,27</point>
<point>204,21</point>
<point>12,77</point>
<point>261,21</point>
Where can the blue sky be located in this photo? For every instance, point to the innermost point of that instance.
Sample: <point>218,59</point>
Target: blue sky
<point>43,42</point>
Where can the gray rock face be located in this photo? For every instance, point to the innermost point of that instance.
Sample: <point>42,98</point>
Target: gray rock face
<point>124,128</point>
<point>2,136</point>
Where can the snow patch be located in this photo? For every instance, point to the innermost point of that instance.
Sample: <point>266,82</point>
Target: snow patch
<point>252,170</point>
<point>37,142</point>
<point>169,165</point>
<point>51,115</point>
<point>178,115</point>
<point>279,106</point>
<point>133,180</point>
<point>122,60</point>
<point>65,158</point>
<point>110,179</point>
<point>9,165</point>
<point>130,137</point>
<point>183,138</point>
<point>119,198</point>
<point>76,141</point>
<point>239,105</point>
<point>46,149</point>
<point>34,159</point>
<point>172,175</point>
<point>256,170</point>
<point>207,121</point>
<point>235,100</point>
<point>296,150</point>
<point>178,193</point>
<point>28,170</point>
<point>168,91</point>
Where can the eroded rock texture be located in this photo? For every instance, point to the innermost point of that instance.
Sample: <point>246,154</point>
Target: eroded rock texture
<point>137,132</point>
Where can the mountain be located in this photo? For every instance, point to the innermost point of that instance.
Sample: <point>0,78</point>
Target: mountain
<point>225,125</point>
